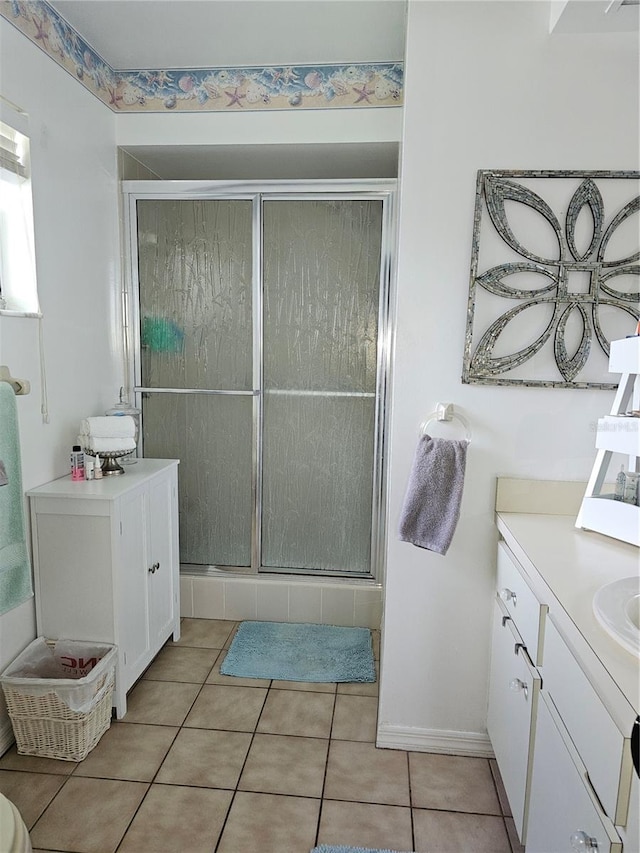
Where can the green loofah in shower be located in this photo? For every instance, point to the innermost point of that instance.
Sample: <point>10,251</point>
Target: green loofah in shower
<point>161,335</point>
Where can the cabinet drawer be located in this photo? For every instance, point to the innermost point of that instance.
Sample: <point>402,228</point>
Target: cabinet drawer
<point>521,603</point>
<point>607,757</point>
<point>562,802</point>
<point>513,696</point>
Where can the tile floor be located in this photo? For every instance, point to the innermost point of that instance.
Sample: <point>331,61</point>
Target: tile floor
<point>204,762</point>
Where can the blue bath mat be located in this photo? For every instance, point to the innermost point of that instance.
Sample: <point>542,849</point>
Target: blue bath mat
<point>287,651</point>
<point>328,848</point>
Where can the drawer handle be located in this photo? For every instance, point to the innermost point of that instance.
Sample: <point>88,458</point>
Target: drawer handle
<point>508,595</point>
<point>581,841</point>
<point>518,685</point>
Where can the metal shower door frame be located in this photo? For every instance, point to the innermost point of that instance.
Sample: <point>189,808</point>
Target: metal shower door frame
<point>258,193</point>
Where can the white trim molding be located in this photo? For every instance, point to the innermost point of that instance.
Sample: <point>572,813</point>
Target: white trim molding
<point>475,744</point>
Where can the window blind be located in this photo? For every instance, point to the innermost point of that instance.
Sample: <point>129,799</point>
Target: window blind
<point>12,153</point>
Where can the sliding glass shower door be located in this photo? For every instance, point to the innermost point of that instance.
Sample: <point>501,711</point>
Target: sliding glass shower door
<point>260,365</point>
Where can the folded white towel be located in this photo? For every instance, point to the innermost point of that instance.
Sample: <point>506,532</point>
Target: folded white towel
<point>120,426</point>
<point>106,445</point>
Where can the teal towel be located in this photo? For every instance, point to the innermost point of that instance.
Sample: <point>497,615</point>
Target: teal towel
<point>15,568</point>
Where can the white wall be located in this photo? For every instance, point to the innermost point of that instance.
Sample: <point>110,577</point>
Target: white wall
<point>260,127</point>
<point>486,87</point>
<point>73,160</point>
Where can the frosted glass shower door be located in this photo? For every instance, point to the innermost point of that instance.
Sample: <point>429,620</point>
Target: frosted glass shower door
<point>195,267</point>
<point>321,295</point>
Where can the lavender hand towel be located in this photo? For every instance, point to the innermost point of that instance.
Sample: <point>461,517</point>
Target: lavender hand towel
<point>432,503</point>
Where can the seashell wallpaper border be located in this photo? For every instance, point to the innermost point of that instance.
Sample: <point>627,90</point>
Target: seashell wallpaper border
<point>213,89</point>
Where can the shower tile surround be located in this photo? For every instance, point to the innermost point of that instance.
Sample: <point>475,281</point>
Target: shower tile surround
<point>282,599</point>
<point>299,769</point>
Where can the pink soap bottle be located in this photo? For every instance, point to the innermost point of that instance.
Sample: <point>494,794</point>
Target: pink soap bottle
<point>77,463</point>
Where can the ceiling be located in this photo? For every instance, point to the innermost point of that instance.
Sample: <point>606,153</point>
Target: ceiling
<point>164,34</point>
<point>171,34</point>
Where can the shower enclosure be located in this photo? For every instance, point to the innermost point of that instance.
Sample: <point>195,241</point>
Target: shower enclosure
<point>258,330</point>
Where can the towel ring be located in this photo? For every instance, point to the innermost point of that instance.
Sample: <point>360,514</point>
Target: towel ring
<point>445,412</point>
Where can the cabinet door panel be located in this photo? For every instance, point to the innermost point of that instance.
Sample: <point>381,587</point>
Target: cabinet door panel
<point>133,618</point>
<point>160,567</point>
<point>562,802</point>
<point>608,755</point>
<point>513,697</point>
<point>521,603</point>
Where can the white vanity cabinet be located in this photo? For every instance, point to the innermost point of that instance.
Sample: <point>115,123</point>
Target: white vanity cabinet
<point>106,563</point>
<point>564,813</point>
<point>569,776</point>
<point>514,683</point>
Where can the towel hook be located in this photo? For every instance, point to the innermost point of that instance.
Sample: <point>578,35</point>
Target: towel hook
<point>445,412</point>
<point>20,386</point>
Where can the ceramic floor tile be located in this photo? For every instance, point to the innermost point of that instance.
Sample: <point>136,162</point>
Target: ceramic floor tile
<point>234,627</point>
<point>452,782</point>
<point>355,718</point>
<point>175,663</point>
<point>174,818</point>
<point>216,678</point>
<point>160,703</point>
<point>306,686</point>
<point>270,824</point>
<point>502,794</point>
<point>205,758</point>
<point>365,825</point>
<point>289,712</point>
<point>514,841</point>
<point>12,760</point>
<point>454,832</point>
<point>130,751</point>
<point>223,707</point>
<point>205,633</point>
<point>360,772</point>
<point>30,793</point>
<point>90,815</point>
<point>375,643</point>
<point>285,765</point>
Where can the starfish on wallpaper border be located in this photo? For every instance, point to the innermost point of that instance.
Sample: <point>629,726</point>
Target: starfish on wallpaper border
<point>236,97</point>
<point>363,94</point>
<point>41,34</point>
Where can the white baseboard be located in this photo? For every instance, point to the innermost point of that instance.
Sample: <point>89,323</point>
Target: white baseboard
<point>6,735</point>
<point>434,740</point>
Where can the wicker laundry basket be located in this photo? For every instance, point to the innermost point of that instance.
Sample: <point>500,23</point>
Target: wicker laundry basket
<point>61,716</point>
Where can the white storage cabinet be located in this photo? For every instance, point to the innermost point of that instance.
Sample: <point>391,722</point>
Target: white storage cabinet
<point>106,563</point>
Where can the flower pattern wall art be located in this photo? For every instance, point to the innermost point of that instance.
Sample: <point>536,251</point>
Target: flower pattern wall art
<point>555,273</point>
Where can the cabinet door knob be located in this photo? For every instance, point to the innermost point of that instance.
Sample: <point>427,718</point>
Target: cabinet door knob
<point>508,595</point>
<point>581,841</point>
<point>517,685</point>
<point>156,566</point>
<point>151,570</point>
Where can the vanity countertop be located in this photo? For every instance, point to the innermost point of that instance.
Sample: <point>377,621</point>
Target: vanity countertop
<point>566,567</point>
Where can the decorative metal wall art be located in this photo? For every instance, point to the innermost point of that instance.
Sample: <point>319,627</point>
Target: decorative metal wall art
<point>538,300</point>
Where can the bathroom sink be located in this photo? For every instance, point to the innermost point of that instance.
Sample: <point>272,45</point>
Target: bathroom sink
<point>616,606</point>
